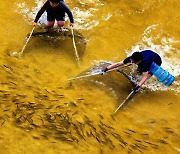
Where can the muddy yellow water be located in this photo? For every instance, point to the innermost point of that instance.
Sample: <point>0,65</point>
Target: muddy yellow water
<point>41,111</point>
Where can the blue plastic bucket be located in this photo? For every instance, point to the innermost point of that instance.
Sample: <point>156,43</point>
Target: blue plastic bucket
<point>162,75</point>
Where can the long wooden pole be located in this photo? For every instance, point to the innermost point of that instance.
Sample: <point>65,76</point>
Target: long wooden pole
<point>76,52</point>
<point>88,75</point>
<point>127,98</point>
<point>19,54</point>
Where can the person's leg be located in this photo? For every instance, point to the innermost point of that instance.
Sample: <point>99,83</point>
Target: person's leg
<point>50,24</point>
<point>60,23</point>
<point>50,20</point>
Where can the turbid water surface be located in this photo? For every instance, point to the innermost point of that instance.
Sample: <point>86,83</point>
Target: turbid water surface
<point>41,111</point>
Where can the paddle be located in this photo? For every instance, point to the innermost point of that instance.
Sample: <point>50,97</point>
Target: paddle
<point>19,54</point>
<point>76,53</point>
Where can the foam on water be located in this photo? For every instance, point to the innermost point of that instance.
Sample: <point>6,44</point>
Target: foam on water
<point>29,15</point>
<point>165,49</point>
<point>83,20</point>
<point>83,17</point>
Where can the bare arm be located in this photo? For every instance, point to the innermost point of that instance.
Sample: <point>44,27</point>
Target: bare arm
<point>68,11</point>
<point>145,77</point>
<point>41,11</point>
<point>115,65</point>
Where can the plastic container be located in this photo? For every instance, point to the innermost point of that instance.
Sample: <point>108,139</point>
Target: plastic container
<point>162,75</point>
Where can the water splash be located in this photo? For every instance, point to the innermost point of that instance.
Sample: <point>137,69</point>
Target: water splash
<point>83,18</point>
<point>29,15</point>
<point>154,39</point>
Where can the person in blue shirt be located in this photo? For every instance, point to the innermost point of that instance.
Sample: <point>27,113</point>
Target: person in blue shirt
<point>56,10</point>
<point>143,59</point>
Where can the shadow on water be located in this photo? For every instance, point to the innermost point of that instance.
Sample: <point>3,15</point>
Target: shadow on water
<point>58,39</point>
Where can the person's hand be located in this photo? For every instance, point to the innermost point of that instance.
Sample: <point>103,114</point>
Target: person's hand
<point>34,24</point>
<point>136,89</point>
<point>72,24</point>
<point>104,71</point>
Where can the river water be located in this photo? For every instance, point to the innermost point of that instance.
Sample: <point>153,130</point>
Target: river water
<point>41,111</point>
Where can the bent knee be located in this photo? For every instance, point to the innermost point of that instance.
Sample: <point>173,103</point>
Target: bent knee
<point>60,23</point>
<point>50,23</point>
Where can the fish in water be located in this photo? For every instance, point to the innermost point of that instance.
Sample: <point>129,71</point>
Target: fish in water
<point>141,146</point>
<point>152,144</point>
<point>131,130</point>
<point>3,122</point>
<point>162,141</point>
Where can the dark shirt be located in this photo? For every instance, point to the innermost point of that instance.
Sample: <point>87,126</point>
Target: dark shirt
<point>57,13</point>
<point>148,57</point>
